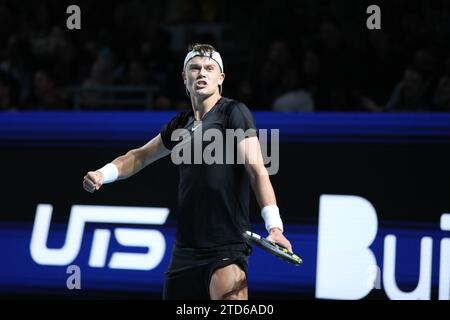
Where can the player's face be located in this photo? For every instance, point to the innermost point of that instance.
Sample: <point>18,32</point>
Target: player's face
<point>202,76</point>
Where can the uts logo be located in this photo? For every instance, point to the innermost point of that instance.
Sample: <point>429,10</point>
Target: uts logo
<point>80,215</point>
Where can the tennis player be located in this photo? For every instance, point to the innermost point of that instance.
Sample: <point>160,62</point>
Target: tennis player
<point>210,256</point>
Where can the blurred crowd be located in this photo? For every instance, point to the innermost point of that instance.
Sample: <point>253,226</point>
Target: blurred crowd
<point>310,55</point>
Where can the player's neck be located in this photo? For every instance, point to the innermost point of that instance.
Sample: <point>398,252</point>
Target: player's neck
<point>202,105</point>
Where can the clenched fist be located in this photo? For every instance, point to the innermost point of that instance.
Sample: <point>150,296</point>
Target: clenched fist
<point>93,180</point>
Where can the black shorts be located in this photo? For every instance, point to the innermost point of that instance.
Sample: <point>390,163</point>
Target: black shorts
<point>190,271</point>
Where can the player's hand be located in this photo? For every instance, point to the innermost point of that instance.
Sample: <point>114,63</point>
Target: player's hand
<point>93,180</point>
<point>276,235</point>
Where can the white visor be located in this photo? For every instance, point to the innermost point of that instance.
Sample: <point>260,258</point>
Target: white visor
<point>214,55</point>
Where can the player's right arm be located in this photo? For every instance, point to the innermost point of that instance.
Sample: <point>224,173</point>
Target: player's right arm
<point>126,165</point>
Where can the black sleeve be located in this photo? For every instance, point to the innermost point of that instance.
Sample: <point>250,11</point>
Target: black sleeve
<point>168,128</point>
<point>241,117</point>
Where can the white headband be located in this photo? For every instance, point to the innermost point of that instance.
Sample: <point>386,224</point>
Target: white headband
<point>214,55</point>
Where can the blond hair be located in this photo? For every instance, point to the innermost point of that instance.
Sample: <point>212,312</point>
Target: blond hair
<point>202,48</point>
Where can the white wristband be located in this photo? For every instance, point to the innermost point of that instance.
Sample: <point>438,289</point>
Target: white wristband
<point>110,173</point>
<point>271,216</point>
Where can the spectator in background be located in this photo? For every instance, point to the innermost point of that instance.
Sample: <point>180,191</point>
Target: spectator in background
<point>5,96</point>
<point>336,66</point>
<point>101,75</point>
<point>102,72</point>
<point>447,65</point>
<point>294,97</point>
<point>441,97</point>
<point>409,93</point>
<point>311,70</point>
<point>158,57</point>
<point>425,61</point>
<point>8,92</point>
<point>46,94</point>
<point>245,91</point>
<point>382,68</point>
<point>441,93</point>
<point>137,74</point>
<point>61,55</point>
<point>277,63</point>
<point>311,73</point>
<point>15,64</point>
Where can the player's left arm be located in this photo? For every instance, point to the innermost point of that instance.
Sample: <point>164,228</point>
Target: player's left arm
<point>250,149</point>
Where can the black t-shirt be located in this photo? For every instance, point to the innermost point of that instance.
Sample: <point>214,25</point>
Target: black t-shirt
<point>213,199</point>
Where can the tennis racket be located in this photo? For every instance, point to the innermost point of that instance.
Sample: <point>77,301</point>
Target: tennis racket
<point>272,247</point>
